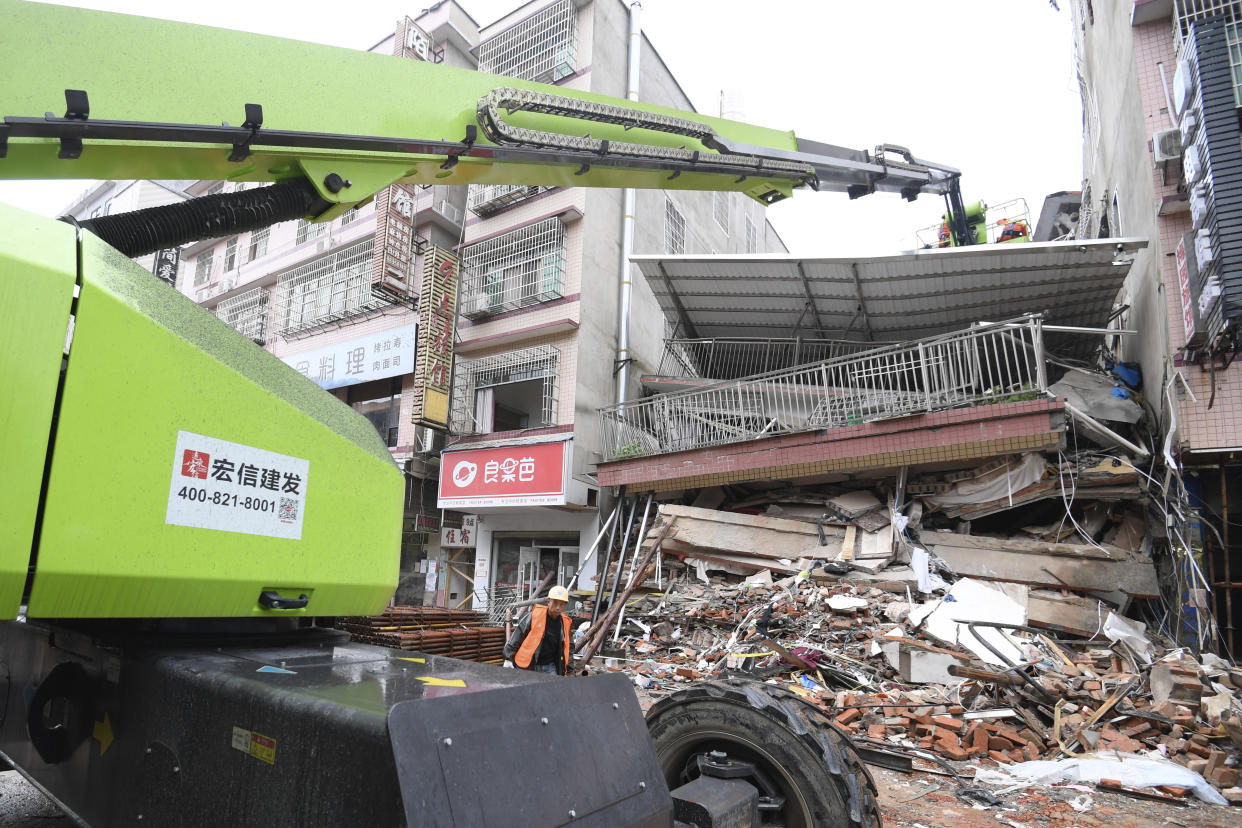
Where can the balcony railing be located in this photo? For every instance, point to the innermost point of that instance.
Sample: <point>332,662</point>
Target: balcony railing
<point>725,358</point>
<point>486,199</point>
<point>985,364</point>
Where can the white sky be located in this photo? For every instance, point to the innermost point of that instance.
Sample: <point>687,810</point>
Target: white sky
<point>984,86</point>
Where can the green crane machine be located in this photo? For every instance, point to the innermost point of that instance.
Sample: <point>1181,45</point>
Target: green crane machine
<point>177,506</point>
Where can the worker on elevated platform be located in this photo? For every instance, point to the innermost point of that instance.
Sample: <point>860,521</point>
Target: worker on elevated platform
<point>541,640</point>
<point>1012,229</point>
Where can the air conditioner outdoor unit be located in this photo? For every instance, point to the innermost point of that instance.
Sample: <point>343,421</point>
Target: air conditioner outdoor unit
<point>1167,144</point>
<point>474,304</point>
<point>1192,165</point>
<point>1190,122</point>
<point>1204,253</point>
<point>1198,206</point>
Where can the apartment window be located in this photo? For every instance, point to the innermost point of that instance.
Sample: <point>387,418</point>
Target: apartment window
<point>258,244</point>
<point>215,189</point>
<point>308,230</point>
<point>752,236</point>
<point>506,392</point>
<point>674,229</point>
<point>348,216</point>
<point>202,267</point>
<point>329,288</point>
<point>520,268</point>
<point>539,48</point>
<point>380,402</point>
<point>720,209</point>
<point>246,313</point>
<point>230,255</point>
<point>1233,37</point>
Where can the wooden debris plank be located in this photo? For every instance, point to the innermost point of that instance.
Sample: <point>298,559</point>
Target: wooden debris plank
<point>1077,614</point>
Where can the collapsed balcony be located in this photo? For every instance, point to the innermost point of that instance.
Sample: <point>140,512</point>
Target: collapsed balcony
<point>985,365</point>
<point>786,368</point>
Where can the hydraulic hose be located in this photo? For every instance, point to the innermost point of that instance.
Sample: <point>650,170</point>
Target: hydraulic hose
<point>209,217</point>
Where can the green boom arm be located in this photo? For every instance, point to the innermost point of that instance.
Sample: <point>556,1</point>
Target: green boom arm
<point>156,94</point>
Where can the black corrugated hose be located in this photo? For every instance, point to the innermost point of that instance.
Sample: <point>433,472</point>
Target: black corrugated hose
<point>208,217</point>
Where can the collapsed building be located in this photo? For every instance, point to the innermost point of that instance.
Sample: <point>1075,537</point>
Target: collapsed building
<point>921,491</point>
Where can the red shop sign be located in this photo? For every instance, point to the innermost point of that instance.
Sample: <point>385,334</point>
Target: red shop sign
<point>530,475</point>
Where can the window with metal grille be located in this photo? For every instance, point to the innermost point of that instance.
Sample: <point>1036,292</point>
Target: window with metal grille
<point>1233,37</point>
<point>308,231</point>
<point>674,229</point>
<point>202,267</point>
<point>752,236</point>
<point>539,48</point>
<point>246,313</point>
<point>506,392</point>
<point>485,199</point>
<point>331,287</point>
<point>215,189</point>
<point>348,216</point>
<point>258,243</point>
<point>522,267</point>
<point>1188,12</point>
<point>720,209</point>
<point>230,254</point>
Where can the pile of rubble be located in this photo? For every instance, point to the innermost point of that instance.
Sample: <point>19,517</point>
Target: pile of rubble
<point>1018,649</point>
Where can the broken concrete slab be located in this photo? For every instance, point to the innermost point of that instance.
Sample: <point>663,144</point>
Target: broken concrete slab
<point>1052,565</point>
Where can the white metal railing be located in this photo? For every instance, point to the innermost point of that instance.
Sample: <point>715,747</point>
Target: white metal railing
<point>730,357</point>
<point>988,363</point>
<point>448,209</point>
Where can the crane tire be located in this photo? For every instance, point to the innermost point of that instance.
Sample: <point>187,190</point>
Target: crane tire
<point>793,743</point>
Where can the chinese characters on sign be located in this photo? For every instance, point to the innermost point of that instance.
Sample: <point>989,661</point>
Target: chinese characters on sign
<point>236,488</point>
<point>1183,281</point>
<point>166,263</point>
<point>374,356</point>
<point>393,258</point>
<point>437,311</point>
<point>462,537</point>
<point>525,475</point>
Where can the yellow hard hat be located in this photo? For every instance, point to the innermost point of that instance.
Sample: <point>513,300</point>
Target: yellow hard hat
<point>558,593</point>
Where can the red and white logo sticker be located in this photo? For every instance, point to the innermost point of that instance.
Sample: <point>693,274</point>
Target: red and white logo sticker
<point>195,464</point>
<point>233,487</point>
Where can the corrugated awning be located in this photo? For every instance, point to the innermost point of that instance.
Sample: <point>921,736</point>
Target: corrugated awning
<point>893,298</point>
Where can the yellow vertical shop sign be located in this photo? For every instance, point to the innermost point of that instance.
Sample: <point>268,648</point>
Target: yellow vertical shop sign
<point>433,357</point>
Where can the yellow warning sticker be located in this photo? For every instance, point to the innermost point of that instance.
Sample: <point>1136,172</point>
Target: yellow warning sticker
<point>441,682</point>
<point>102,731</point>
<point>263,748</point>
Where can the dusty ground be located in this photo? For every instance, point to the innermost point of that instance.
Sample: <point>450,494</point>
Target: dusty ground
<point>23,806</point>
<point>919,799</point>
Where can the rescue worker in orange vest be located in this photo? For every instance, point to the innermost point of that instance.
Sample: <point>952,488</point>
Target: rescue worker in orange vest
<point>945,237</point>
<point>541,640</point>
<point>1012,230</point>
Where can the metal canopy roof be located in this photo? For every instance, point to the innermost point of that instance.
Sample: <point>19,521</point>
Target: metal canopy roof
<point>891,298</point>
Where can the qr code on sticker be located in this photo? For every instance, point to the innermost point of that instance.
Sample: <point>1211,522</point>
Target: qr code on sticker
<point>288,509</point>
